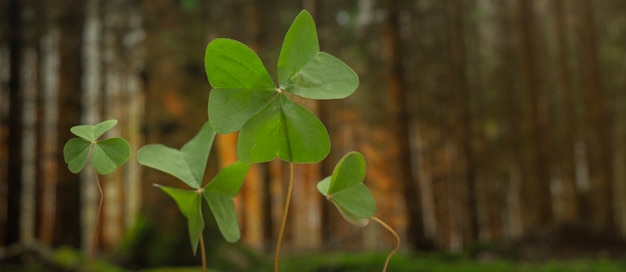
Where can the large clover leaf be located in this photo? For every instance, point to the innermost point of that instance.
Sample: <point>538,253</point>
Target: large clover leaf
<point>188,164</point>
<point>107,154</point>
<point>245,98</point>
<point>345,189</point>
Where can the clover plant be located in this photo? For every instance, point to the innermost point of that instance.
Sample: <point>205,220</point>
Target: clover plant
<point>106,156</point>
<point>188,165</point>
<point>345,189</point>
<point>245,99</point>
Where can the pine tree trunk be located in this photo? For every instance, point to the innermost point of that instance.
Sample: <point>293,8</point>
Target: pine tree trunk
<point>537,187</point>
<point>29,91</point>
<point>48,164</point>
<point>569,203</point>
<point>597,125</point>
<point>405,198</point>
<point>91,114</point>
<point>5,91</point>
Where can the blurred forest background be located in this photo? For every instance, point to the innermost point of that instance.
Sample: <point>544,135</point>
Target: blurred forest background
<point>483,122</point>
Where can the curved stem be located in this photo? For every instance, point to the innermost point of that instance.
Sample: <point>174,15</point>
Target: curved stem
<point>281,232</point>
<point>395,234</point>
<point>94,237</point>
<point>203,252</point>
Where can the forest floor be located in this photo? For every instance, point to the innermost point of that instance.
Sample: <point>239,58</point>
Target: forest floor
<point>565,250</point>
<point>365,262</point>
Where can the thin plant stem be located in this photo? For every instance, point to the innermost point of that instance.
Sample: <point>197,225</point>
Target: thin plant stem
<point>281,232</point>
<point>395,234</point>
<point>95,229</point>
<point>203,252</point>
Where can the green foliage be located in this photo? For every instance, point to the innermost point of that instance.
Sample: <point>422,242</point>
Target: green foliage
<point>438,262</point>
<point>107,154</point>
<point>346,190</point>
<point>188,165</point>
<point>245,98</point>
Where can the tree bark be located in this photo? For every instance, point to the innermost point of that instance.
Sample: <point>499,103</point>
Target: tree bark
<point>597,124</point>
<point>399,122</point>
<point>569,203</point>
<point>537,187</point>
<point>29,91</point>
<point>91,112</point>
<point>50,58</point>
<point>5,91</point>
<point>461,122</point>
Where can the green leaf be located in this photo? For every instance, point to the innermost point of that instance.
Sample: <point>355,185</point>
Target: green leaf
<point>109,154</point>
<point>241,84</point>
<point>323,77</point>
<point>188,164</point>
<point>348,172</point>
<point>299,46</point>
<point>231,64</point>
<point>229,109</point>
<point>223,209</point>
<point>228,181</point>
<point>284,129</point>
<point>76,154</point>
<point>189,203</point>
<point>345,189</point>
<point>219,195</point>
<point>93,132</point>
<point>305,71</point>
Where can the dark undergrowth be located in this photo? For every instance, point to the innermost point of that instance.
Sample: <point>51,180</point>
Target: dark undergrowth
<point>347,262</point>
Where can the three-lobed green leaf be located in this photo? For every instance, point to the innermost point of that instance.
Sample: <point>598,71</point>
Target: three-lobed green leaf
<point>345,189</point>
<point>188,165</point>
<point>107,154</point>
<point>245,98</point>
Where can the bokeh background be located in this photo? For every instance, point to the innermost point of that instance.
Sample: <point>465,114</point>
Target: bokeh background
<point>487,126</point>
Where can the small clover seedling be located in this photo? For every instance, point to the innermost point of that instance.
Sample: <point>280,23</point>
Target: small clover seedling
<point>245,98</point>
<point>106,156</point>
<point>188,165</point>
<point>345,189</point>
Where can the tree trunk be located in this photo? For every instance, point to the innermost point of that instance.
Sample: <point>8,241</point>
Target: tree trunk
<point>460,121</point>
<point>5,106</point>
<point>114,98</point>
<point>399,122</point>
<point>29,91</point>
<point>568,204</point>
<point>514,169</point>
<point>50,51</point>
<point>133,122</point>
<point>537,186</point>
<point>597,125</point>
<point>91,112</point>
